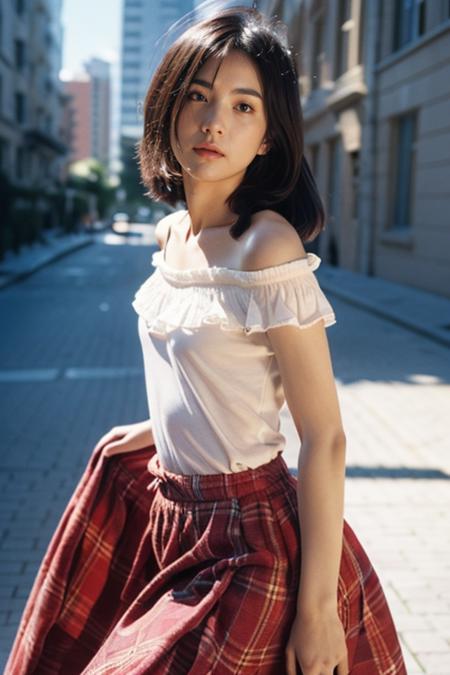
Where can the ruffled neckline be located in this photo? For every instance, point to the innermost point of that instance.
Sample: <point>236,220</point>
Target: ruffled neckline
<point>218,274</point>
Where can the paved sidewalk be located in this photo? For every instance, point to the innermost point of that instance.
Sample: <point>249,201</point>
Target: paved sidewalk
<point>15,267</point>
<point>420,311</point>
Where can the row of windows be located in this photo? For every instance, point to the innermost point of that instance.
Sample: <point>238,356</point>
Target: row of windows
<point>130,109</point>
<point>409,22</point>
<point>411,19</point>
<point>346,26</point>
<point>402,163</point>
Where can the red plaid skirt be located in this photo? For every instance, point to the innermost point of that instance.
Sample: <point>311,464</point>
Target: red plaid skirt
<point>186,574</point>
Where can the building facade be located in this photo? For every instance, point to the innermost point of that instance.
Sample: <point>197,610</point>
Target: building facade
<point>375,90</point>
<point>31,98</point>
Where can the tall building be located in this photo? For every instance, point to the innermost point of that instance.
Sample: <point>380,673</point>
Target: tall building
<point>90,112</point>
<point>31,99</point>
<point>144,40</point>
<point>79,91</point>
<point>375,90</point>
<point>99,72</point>
<point>143,28</point>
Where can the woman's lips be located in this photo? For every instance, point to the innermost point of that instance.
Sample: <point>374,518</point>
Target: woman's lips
<point>209,154</point>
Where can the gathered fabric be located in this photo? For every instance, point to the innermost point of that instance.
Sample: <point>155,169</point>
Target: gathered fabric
<point>151,572</point>
<point>235,300</point>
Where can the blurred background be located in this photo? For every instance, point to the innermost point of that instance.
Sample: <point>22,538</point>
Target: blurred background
<point>77,235</point>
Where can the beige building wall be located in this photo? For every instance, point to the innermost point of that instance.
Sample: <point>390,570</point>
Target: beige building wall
<point>383,179</point>
<point>415,79</point>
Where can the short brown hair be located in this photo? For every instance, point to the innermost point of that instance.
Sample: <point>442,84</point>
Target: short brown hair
<point>281,179</point>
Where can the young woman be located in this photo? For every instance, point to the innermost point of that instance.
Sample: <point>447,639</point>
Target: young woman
<point>226,563</point>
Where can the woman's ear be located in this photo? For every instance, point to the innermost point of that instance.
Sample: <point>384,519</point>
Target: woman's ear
<point>264,147</point>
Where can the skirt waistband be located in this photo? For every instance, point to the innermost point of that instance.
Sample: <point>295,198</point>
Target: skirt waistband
<point>214,487</point>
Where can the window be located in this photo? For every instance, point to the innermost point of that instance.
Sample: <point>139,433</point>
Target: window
<point>20,163</point>
<point>3,153</point>
<point>333,176</point>
<point>20,107</point>
<point>409,21</point>
<point>343,36</point>
<point>19,48</point>
<point>355,161</point>
<point>405,130</point>
<point>314,159</point>
<point>317,52</point>
<point>362,16</point>
<point>334,173</point>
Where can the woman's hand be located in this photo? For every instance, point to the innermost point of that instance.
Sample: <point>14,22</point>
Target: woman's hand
<point>317,642</point>
<point>126,438</point>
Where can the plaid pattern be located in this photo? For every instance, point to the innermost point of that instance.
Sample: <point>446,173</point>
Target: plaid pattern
<point>186,575</point>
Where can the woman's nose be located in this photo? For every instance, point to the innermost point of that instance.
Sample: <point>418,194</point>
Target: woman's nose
<point>213,121</point>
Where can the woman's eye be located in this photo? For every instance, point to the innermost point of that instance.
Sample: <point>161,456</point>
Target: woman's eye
<point>197,93</point>
<point>192,93</point>
<point>248,106</point>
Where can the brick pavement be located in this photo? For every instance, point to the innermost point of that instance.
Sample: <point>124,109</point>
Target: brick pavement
<point>74,317</point>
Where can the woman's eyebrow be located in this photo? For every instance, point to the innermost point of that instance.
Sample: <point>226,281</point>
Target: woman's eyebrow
<point>239,90</point>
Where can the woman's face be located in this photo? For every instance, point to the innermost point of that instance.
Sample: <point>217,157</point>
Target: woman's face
<point>232,120</point>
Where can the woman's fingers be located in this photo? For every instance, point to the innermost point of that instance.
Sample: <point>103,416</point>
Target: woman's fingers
<point>291,668</point>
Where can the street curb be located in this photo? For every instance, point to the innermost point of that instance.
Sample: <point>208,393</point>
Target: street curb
<point>374,308</point>
<point>20,276</point>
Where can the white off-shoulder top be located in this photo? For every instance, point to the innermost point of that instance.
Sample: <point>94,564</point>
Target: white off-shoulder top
<point>213,385</point>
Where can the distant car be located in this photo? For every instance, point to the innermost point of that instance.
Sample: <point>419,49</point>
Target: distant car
<point>143,215</point>
<point>121,217</point>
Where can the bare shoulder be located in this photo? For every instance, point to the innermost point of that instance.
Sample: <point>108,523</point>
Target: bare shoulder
<point>271,240</point>
<point>162,226</point>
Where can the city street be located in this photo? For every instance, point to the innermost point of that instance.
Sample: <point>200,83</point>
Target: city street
<point>71,368</point>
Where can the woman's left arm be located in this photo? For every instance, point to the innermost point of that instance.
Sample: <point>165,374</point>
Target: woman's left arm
<point>317,638</point>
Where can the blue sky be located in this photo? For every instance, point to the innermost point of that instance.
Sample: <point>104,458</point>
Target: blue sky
<point>91,28</point>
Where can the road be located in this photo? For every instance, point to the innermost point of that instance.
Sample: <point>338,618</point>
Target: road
<point>71,368</point>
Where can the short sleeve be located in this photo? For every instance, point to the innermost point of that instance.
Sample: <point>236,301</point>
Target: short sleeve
<point>296,301</point>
